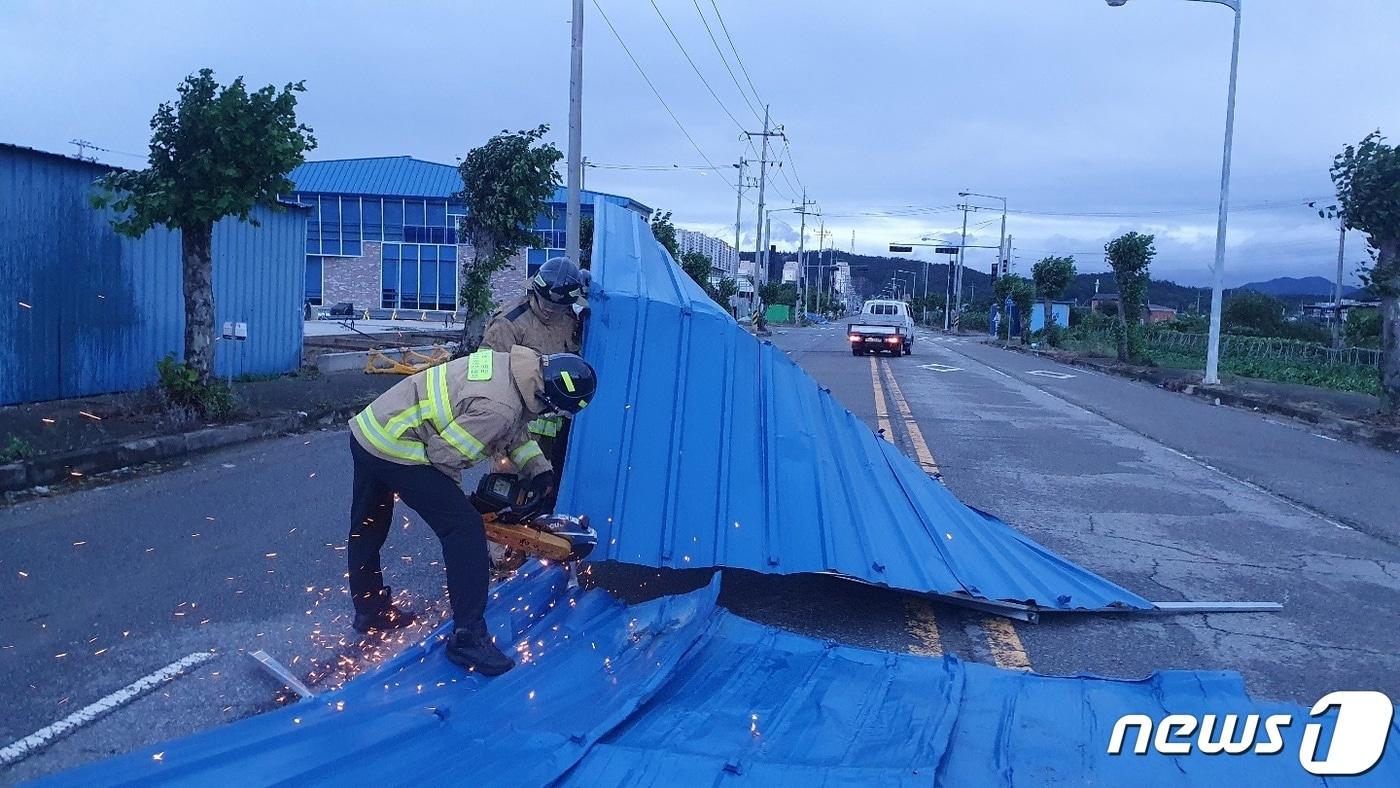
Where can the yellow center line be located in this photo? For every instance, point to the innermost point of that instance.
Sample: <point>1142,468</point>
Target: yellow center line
<point>919,620</point>
<point>882,414</point>
<point>916,436</point>
<point>1007,649</point>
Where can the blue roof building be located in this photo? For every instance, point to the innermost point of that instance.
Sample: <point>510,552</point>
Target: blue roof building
<point>382,233</point>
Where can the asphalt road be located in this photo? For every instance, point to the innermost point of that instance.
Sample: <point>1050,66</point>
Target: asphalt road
<point>242,549</point>
<point>1166,494</point>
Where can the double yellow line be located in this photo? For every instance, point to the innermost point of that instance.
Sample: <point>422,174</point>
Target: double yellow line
<point>921,620</point>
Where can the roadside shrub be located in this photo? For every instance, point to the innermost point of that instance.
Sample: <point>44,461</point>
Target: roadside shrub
<point>16,448</point>
<point>976,321</point>
<point>181,387</point>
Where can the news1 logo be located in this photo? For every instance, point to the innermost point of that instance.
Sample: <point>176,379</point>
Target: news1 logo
<point>1358,736</point>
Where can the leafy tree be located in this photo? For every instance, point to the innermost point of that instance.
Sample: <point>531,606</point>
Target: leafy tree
<point>778,293</point>
<point>1023,296</point>
<point>725,290</point>
<point>665,233</point>
<point>697,267</point>
<point>506,183</point>
<point>1052,277</point>
<point>1254,314</point>
<point>216,151</point>
<point>585,242</point>
<point>1130,255</point>
<point>1367,177</point>
<point>1363,328</point>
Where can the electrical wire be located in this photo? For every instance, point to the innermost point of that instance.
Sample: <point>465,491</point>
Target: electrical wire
<point>694,67</point>
<point>657,93</point>
<point>737,58</point>
<point>725,61</point>
<point>795,174</point>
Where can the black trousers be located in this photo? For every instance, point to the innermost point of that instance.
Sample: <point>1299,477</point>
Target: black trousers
<point>439,500</point>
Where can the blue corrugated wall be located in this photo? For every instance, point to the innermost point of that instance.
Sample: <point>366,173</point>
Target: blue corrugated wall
<point>102,309</point>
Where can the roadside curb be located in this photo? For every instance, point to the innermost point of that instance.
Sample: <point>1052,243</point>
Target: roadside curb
<point>48,469</point>
<point>1375,435</point>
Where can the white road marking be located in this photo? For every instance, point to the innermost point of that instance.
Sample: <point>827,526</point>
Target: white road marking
<point>1045,373</point>
<point>999,372</point>
<point>17,751</point>
<point>1324,437</point>
<point>940,368</point>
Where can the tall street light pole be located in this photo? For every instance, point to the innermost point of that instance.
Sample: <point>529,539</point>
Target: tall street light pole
<point>575,164</point>
<point>1217,290</point>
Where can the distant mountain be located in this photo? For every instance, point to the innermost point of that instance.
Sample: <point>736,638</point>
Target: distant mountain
<point>1285,286</point>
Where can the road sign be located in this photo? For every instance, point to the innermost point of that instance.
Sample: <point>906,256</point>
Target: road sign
<point>898,248</point>
<point>944,250</point>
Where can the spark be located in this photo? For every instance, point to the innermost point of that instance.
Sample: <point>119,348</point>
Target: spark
<point>47,421</point>
<point>99,652</point>
<point>312,476</point>
<point>75,474</point>
<point>26,306</point>
<point>60,656</point>
<point>160,756</point>
<point>79,544</point>
<point>210,519</point>
<point>24,574</point>
<point>531,696</point>
<point>270,555</point>
<point>89,415</point>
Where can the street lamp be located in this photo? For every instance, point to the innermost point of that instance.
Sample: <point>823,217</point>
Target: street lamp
<point>1217,290</point>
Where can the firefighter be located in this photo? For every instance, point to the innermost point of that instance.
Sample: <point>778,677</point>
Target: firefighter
<point>413,442</point>
<point>547,318</point>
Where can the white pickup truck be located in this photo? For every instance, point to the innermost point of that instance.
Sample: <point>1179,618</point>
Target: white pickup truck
<point>882,326</point>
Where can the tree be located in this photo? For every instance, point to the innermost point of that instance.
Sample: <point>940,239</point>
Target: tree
<point>1130,255</point>
<point>585,242</point>
<point>778,293</point>
<point>1023,296</point>
<point>665,233</point>
<point>506,182</point>
<point>1052,277</point>
<point>725,290</point>
<point>697,267</point>
<point>216,151</point>
<point>1254,314</point>
<point>1367,177</point>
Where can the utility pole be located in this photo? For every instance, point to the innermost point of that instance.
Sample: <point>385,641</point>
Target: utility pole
<point>738,212</point>
<point>1337,310</point>
<point>759,245</point>
<point>575,177</point>
<point>802,287</point>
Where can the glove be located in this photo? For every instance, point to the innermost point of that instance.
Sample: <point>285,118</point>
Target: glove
<point>541,499</point>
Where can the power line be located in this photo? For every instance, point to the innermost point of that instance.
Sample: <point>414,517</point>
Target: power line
<point>657,93</point>
<point>593,165</point>
<point>694,67</point>
<point>788,149</point>
<point>737,58</point>
<point>725,60</point>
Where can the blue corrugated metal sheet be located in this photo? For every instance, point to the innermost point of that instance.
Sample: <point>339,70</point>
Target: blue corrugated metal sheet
<point>405,176</point>
<point>102,309</point>
<point>705,447</point>
<point>679,692</point>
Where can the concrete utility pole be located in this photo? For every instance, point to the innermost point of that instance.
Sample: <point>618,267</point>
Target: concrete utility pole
<point>738,213</point>
<point>954,294</point>
<point>1337,338</point>
<point>801,261</point>
<point>760,246</point>
<point>575,176</point>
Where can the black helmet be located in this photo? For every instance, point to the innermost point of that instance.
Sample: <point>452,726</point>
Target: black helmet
<point>569,382</point>
<point>559,281</point>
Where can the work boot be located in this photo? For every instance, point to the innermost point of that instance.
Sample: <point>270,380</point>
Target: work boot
<point>379,614</point>
<point>471,647</point>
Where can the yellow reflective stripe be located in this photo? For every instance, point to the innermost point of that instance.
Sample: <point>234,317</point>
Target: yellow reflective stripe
<point>407,420</point>
<point>463,441</point>
<point>438,397</point>
<point>568,380</point>
<point>374,433</point>
<point>525,452</point>
<point>547,426</point>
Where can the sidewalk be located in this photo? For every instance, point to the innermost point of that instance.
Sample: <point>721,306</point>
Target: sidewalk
<point>1346,414</point>
<point>71,439</point>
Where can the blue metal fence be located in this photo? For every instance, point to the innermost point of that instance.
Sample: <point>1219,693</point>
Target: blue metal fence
<point>85,311</point>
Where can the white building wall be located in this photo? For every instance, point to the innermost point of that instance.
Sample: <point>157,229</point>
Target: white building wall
<point>724,259</point>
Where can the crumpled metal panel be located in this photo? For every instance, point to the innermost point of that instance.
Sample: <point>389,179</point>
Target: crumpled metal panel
<point>679,692</point>
<point>706,447</point>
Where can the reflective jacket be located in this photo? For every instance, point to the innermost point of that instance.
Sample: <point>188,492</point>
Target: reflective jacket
<point>456,414</point>
<point>531,322</point>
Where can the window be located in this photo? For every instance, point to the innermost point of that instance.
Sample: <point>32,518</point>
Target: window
<point>314,269</point>
<point>350,226</point>
<point>408,277</point>
<point>393,220</point>
<point>447,278</point>
<point>437,214</point>
<point>389,276</point>
<point>374,219</point>
<point>330,225</point>
<point>313,224</point>
<point>414,213</point>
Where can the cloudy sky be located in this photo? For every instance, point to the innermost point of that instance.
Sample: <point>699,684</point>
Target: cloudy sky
<point>1091,120</point>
